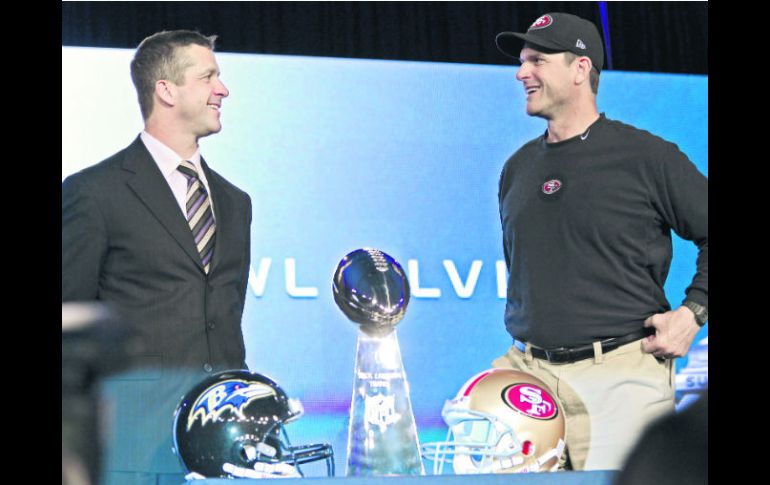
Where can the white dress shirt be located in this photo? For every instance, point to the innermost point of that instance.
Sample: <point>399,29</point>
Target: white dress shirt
<point>168,161</point>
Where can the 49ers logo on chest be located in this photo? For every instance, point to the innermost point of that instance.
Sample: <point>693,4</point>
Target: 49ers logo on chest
<point>532,400</point>
<point>552,186</point>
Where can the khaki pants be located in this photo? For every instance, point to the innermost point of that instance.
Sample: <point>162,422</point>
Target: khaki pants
<point>608,400</point>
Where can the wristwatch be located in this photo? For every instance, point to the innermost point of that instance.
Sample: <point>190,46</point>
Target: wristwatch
<point>700,311</point>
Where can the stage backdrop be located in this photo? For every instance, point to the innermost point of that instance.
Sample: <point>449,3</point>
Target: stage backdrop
<point>400,156</point>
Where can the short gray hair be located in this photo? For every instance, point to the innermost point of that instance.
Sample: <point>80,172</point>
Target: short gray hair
<point>157,58</point>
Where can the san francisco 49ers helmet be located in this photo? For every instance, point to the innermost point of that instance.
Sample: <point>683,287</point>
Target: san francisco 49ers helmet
<point>501,421</point>
<point>234,420</point>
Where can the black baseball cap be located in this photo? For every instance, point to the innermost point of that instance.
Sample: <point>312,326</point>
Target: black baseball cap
<point>557,32</point>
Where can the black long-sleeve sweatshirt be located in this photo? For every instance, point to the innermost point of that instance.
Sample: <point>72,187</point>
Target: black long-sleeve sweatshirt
<point>587,232</point>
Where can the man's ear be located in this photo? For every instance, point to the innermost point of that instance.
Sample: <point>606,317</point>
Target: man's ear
<point>165,91</point>
<point>584,66</point>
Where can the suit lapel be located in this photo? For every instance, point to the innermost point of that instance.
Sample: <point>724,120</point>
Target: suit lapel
<point>151,188</point>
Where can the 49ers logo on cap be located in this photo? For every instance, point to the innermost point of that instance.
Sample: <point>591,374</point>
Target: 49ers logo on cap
<point>542,22</point>
<point>551,186</point>
<point>531,400</point>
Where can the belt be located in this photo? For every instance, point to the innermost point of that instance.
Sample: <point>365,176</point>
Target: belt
<point>562,355</point>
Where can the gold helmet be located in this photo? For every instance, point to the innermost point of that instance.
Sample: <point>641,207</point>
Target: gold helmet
<point>501,421</point>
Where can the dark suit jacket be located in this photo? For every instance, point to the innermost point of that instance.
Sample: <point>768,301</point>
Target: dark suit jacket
<point>126,242</point>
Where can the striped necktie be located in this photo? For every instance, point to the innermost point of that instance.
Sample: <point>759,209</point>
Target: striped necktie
<point>199,214</point>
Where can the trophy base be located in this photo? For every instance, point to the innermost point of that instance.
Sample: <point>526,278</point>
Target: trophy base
<point>382,435</point>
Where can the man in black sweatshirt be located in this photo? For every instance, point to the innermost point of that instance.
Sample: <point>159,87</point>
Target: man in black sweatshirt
<point>587,211</point>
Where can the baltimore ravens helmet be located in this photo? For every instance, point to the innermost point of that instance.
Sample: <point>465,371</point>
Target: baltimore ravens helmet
<point>235,420</point>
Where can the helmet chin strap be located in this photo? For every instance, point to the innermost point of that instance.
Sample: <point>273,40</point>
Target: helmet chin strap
<point>262,470</point>
<point>552,453</point>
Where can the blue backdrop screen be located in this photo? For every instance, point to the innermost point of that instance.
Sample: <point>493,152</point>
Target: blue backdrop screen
<point>404,157</point>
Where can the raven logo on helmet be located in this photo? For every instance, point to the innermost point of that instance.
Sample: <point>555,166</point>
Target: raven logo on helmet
<point>232,394</point>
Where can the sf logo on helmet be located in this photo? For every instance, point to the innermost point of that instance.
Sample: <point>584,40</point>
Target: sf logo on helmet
<point>233,395</point>
<point>530,400</point>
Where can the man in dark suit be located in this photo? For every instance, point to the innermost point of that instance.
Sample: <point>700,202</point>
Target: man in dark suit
<point>163,240</point>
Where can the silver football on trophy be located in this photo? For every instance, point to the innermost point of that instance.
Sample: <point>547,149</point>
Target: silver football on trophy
<point>372,290</point>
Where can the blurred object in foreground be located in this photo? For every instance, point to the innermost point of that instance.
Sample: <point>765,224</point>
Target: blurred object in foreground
<point>93,344</point>
<point>672,451</point>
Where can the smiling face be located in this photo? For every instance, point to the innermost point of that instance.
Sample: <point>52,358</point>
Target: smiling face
<point>548,83</point>
<point>201,92</point>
